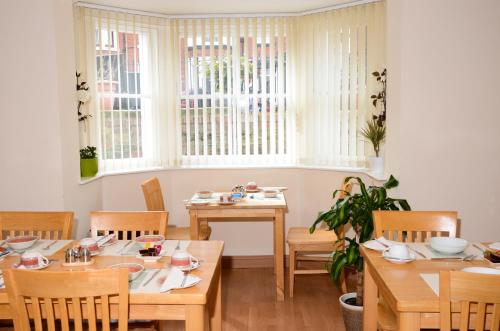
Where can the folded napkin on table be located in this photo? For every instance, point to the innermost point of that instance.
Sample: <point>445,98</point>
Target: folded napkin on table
<point>175,279</point>
<point>379,244</point>
<point>495,246</point>
<point>104,239</point>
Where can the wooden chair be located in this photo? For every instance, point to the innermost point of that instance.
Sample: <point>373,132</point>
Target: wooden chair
<point>42,294</point>
<point>154,202</point>
<point>304,246</point>
<point>474,294</point>
<point>414,226</point>
<point>409,226</point>
<point>45,225</point>
<point>128,224</point>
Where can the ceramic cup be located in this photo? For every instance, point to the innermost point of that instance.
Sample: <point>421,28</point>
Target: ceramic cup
<point>399,252</point>
<point>182,259</point>
<point>89,243</point>
<point>251,186</point>
<point>33,260</point>
<point>226,198</point>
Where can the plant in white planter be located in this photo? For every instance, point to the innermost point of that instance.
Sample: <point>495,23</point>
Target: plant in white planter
<point>356,210</point>
<point>374,130</point>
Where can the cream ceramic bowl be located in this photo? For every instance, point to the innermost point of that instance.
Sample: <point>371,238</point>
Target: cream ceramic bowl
<point>448,245</point>
<point>21,242</point>
<point>205,194</point>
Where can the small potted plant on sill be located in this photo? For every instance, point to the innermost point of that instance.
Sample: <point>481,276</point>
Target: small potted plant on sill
<point>356,210</point>
<point>374,130</point>
<point>88,161</point>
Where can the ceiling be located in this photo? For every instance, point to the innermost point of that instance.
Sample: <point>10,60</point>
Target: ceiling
<point>179,7</point>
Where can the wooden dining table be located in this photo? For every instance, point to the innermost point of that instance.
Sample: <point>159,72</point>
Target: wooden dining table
<point>248,209</point>
<point>189,304</point>
<point>403,291</point>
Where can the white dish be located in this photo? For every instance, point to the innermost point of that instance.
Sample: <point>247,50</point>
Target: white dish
<point>448,245</point>
<point>153,239</point>
<point>149,258</point>
<point>194,265</point>
<point>396,260</point>
<point>189,283</point>
<point>39,267</point>
<point>199,203</point>
<point>205,194</point>
<point>131,275</point>
<point>270,193</point>
<point>482,270</point>
<point>21,242</point>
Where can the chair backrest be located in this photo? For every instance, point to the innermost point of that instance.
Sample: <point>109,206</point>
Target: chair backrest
<point>63,295</point>
<point>463,289</point>
<point>128,224</point>
<point>45,225</point>
<point>152,194</point>
<point>414,226</point>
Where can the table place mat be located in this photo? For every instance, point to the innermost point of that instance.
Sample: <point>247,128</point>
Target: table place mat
<point>433,281</point>
<point>133,248</point>
<point>137,285</point>
<point>425,249</point>
<point>40,244</point>
<point>260,196</point>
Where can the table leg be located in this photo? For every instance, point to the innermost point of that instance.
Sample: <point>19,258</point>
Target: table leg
<point>409,321</point>
<point>195,318</point>
<point>279,240</point>
<point>194,225</point>
<point>369,301</point>
<point>216,316</point>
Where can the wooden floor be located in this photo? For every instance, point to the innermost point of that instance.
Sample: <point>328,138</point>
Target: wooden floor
<point>248,303</point>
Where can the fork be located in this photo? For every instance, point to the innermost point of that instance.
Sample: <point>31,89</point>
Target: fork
<point>186,274</point>
<point>49,245</point>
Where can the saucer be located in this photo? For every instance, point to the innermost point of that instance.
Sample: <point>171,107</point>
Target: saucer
<point>40,267</point>
<point>149,258</point>
<point>229,203</point>
<point>194,265</point>
<point>397,260</point>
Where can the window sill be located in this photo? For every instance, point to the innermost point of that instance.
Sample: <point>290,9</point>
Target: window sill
<point>359,170</point>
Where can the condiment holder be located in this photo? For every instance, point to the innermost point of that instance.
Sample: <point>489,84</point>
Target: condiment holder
<point>78,256</point>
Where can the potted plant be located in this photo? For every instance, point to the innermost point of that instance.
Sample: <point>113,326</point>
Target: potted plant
<point>374,130</point>
<point>356,210</point>
<point>88,161</point>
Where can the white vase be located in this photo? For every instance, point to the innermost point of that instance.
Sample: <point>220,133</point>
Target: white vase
<point>353,315</point>
<point>376,165</point>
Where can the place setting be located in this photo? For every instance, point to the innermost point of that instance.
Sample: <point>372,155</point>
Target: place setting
<point>175,276</point>
<point>21,244</point>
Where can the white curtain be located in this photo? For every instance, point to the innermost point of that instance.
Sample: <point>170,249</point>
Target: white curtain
<point>334,54</point>
<point>229,91</point>
<point>233,91</point>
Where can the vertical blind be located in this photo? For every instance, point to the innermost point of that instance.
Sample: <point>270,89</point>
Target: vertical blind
<point>233,91</point>
<point>229,91</point>
<point>338,51</point>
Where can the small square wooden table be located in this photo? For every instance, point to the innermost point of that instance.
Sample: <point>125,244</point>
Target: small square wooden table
<point>271,210</point>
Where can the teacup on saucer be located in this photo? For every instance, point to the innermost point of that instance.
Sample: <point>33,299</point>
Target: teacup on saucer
<point>33,260</point>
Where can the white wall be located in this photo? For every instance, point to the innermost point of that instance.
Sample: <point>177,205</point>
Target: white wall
<point>444,108</point>
<point>309,192</point>
<point>39,165</point>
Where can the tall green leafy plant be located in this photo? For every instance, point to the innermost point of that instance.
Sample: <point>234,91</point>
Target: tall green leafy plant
<point>356,210</point>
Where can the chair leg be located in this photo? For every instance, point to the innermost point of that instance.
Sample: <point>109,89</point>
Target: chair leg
<point>291,269</point>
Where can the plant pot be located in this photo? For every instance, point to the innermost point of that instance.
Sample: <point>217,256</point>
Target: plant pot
<point>88,167</point>
<point>353,315</point>
<point>376,165</point>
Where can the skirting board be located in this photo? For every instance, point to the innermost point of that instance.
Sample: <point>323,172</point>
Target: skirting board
<point>261,261</point>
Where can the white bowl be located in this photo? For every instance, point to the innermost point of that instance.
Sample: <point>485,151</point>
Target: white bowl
<point>151,239</point>
<point>448,245</point>
<point>134,269</point>
<point>21,242</point>
<point>205,194</point>
<point>482,270</point>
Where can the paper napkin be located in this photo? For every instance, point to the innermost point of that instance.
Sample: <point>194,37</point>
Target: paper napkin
<point>175,279</point>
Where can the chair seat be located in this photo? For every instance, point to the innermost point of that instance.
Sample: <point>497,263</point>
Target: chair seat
<point>299,236</point>
<point>183,233</point>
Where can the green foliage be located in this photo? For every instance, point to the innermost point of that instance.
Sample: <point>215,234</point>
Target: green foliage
<point>356,210</point>
<point>89,152</point>
<point>375,134</point>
